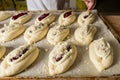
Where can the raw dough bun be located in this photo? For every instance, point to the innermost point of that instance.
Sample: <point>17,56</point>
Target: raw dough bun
<point>57,34</point>
<point>85,34</point>
<point>18,60</point>
<point>11,31</point>
<point>67,18</point>
<point>5,15</point>
<point>45,17</point>
<point>2,51</point>
<point>101,54</point>
<point>86,17</point>
<point>36,32</point>
<point>61,58</point>
<point>21,18</point>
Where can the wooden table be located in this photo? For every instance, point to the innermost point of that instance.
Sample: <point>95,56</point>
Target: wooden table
<point>114,21</point>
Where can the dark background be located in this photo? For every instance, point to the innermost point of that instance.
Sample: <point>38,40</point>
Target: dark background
<point>108,6</point>
<point>103,6</point>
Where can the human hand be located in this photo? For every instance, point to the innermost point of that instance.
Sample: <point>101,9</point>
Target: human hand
<point>90,4</point>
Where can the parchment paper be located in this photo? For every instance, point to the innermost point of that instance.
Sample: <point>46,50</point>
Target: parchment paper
<point>82,66</point>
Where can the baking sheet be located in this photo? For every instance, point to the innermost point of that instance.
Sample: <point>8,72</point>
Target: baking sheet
<point>82,66</point>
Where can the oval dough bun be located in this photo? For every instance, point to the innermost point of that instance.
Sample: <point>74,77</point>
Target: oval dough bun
<point>18,60</point>
<point>101,54</point>
<point>36,32</point>
<point>67,18</point>
<point>22,19</point>
<point>85,34</point>
<point>61,58</point>
<point>5,15</point>
<point>2,51</point>
<point>48,19</point>
<point>11,31</point>
<point>57,34</point>
<point>86,17</point>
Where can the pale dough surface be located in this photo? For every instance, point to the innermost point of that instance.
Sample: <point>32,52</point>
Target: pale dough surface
<point>2,51</point>
<point>57,34</point>
<point>68,20</point>
<point>5,15</point>
<point>82,66</point>
<point>101,54</point>
<point>61,58</point>
<point>22,19</point>
<point>86,17</point>
<point>85,34</point>
<point>9,68</point>
<point>11,31</point>
<point>36,32</point>
<point>48,20</point>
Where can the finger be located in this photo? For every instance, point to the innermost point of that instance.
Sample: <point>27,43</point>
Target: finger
<point>91,6</point>
<point>87,2</point>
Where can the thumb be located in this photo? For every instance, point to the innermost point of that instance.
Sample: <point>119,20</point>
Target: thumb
<point>90,4</point>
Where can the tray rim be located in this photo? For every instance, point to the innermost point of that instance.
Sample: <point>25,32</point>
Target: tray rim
<point>109,26</point>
